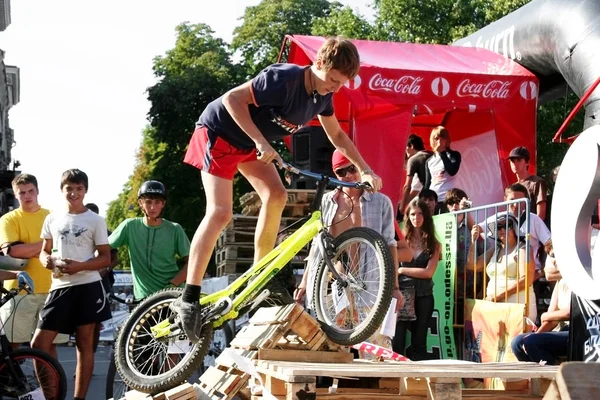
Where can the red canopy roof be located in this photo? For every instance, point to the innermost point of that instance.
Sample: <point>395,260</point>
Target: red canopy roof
<point>402,88</point>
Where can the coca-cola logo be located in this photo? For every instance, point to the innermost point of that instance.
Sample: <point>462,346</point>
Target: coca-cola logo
<point>440,87</point>
<point>528,90</point>
<point>406,84</point>
<point>490,90</point>
<point>353,83</point>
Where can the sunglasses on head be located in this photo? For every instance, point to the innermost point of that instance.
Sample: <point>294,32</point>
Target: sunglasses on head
<point>343,171</point>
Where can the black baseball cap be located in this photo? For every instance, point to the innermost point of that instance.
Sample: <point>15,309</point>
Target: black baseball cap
<point>519,152</point>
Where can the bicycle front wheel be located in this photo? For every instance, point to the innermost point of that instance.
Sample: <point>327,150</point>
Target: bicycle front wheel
<point>34,371</point>
<point>351,314</point>
<point>154,365</point>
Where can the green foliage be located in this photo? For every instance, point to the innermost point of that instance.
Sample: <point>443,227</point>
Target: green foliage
<point>549,119</point>
<point>343,21</point>
<point>264,26</point>
<point>437,21</point>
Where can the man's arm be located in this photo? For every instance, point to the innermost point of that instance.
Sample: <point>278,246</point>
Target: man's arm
<point>451,160</point>
<point>9,235</point>
<point>236,101</point>
<point>182,274</point>
<point>406,192</point>
<point>343,143</point>
<point>23,250</point>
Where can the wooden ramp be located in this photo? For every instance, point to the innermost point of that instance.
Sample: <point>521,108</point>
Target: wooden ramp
<point>441,380</point>
<point>274,333</point>
<point>575,381</point>
<point>282,352</point>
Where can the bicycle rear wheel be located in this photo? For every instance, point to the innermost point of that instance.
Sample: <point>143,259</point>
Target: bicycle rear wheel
<point>152,365</point>
<point>351,314</point>
<point>35,370</point>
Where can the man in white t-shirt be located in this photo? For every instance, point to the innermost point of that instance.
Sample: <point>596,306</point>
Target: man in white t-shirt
<point>76,302</point>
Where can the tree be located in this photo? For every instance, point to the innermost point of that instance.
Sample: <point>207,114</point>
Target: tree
<point>343,21</point>
<point>437,21</point>
<point>195,72</point>
<point>264,26</point>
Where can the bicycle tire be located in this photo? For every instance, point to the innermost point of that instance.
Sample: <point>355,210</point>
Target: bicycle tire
<point>42,364</point>
<point>323,298</point>
<point>132,347</point>
<point>115,387</point>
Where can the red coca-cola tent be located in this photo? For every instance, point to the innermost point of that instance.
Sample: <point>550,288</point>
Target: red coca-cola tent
<point>486,101</point>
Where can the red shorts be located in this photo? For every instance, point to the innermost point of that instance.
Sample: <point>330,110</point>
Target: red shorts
<point>215,155</point>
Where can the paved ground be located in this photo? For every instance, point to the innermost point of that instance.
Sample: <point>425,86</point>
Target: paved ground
<point>68,359</point>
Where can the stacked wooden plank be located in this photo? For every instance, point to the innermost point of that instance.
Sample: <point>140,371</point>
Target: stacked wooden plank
<point>274,333</point>
<point>234,253</point>
<point>297,204</point>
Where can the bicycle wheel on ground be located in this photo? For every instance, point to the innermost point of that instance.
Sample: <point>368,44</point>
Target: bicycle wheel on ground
<point>153,365</point>
<point>115,387</point>
<point>35,371</point>
<point>351,314</point>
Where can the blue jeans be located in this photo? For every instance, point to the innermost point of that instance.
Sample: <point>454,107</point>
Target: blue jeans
<point>546,346</point>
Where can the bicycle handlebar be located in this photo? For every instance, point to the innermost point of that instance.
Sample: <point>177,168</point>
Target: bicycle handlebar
<point>114,297</point>
<point>321,177</point>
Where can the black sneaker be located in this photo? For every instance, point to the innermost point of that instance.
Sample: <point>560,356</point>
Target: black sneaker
<point>191,318</point>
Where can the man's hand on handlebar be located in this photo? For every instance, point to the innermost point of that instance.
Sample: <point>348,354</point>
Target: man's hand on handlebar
<point>267,154</point>
<point>372,179</point>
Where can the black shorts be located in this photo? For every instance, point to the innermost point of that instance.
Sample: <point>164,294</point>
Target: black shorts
<point>73,306</point>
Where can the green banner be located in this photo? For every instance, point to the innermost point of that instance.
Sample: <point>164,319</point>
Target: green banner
<point>440,340</point>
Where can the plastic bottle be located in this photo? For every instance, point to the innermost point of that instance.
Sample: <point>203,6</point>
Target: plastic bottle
<point>58,264</point>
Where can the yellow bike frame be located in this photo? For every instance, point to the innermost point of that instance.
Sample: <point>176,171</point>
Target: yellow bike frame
<point>260,273</point>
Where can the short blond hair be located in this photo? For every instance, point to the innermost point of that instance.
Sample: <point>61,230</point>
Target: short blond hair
<point>24,179</point>
<point>340,54</point>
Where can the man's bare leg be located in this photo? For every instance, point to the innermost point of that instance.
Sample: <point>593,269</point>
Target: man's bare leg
<point>84,341</point>
<point>219,209</point>
<point>267,183</point>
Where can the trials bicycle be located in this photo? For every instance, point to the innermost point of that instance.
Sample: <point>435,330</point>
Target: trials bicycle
<point>27,373</point>
<point>352,292</point>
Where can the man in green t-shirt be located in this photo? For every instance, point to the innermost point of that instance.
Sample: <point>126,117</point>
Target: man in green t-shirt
<point>154,244</point>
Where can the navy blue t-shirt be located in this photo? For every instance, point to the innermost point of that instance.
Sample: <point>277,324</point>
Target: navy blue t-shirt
<point>281,107</point>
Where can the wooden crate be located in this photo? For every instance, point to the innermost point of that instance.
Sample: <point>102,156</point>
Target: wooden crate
<point>413,380</point>
<point>274,333</point>
<point>575,380</point>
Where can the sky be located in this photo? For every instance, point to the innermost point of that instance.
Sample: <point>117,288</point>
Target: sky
<point>85,67</point>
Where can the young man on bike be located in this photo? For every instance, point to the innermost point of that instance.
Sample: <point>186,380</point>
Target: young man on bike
<point>154,244</point>
<point>233,134</point>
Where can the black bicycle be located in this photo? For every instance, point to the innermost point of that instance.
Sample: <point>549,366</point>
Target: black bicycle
<point>26,373</point>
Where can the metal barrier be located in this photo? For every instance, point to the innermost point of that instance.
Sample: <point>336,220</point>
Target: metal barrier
<point>489,249</point>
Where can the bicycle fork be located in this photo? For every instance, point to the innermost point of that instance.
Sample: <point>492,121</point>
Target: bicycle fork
<point>327,248</point>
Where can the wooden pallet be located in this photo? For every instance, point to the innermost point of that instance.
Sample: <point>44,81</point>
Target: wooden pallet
<point>297,203</point>
<point>274,333</point>
<point>405,380</point>
<point>185,391</point>
<point>575,380</point>
<point>245,253</point>
<point>240,230</point>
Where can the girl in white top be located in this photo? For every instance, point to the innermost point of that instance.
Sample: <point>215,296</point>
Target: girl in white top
<point>510,275</point>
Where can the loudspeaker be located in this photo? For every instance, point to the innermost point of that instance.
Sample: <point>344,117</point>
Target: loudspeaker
<point>311,150</point>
